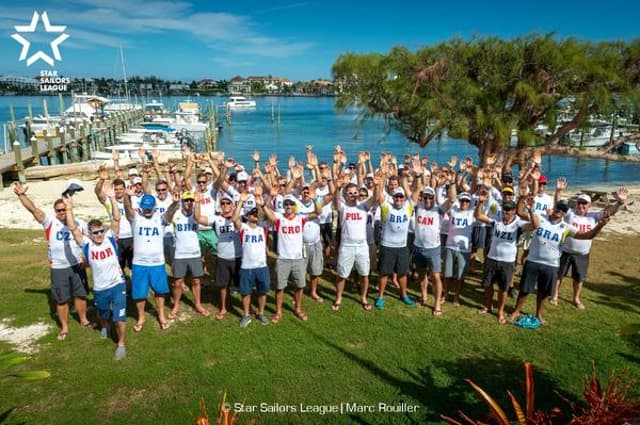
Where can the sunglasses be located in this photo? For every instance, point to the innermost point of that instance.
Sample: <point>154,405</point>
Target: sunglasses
<point>202,182</point>
<point>289,204</point>
<point>59,210</point>
<point>507,209</point>
<point>97,232</point>
<point>427,196</point>
<point>465,200</point>
<point>283,185</point>
<point>188,200</point>
<point>398,196</point>
<point>225,203</point>
<point>582,202</point>
<point>161,190</point>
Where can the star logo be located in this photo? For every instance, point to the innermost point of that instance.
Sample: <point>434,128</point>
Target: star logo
<point>31,28</point>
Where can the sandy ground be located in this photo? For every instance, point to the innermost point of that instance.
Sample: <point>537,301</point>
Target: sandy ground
<point>24,338</point>
<point>86,206</point>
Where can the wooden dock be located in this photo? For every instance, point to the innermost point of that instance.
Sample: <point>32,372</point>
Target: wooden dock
<point>63,145</point>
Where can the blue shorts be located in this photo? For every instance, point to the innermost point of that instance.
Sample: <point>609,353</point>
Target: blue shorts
<point>144,276</point>
<point>112,303</point>
<point>427,258</point>
<point>254,277</point>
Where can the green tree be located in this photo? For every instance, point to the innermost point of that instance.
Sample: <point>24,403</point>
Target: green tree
<point>484,89</point>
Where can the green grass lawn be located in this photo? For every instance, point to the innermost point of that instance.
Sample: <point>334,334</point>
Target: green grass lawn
<point>398,355</point>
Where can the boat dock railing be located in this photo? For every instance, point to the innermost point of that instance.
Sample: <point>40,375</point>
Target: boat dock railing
<point>60,144</point>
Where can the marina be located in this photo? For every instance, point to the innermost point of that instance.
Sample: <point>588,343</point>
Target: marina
<point>300,121</point>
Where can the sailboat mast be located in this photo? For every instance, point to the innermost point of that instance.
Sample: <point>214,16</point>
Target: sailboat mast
<point>124,73</point>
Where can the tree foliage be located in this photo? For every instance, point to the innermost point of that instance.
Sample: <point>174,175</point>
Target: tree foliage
<point>483,89</point>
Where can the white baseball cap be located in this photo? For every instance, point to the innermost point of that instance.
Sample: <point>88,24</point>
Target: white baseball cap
<point>584,197</point>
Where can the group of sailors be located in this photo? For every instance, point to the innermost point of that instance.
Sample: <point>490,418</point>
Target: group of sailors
<point>406,216</point>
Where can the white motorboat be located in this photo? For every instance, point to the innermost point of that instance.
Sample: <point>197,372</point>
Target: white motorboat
<point>240,102</point>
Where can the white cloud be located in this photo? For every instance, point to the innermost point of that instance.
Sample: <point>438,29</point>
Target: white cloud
<point>121,23</point>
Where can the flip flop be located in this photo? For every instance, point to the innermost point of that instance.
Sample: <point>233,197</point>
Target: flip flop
<point>336,306</point>
<point>275,317</point>
<point>503,320</point>
<point>301,315</point>
<point>579,306</point>
<point>437,312</point>
<point>366,306</point>
<point>318,299</point>
<point>138,327</point>
<point>483,310</point>
<point>172,315</point>
<point>204,312</point>
<point>62,336</point>
<point>220,315</point>
<point>164,326</point>
<point>89,325</point>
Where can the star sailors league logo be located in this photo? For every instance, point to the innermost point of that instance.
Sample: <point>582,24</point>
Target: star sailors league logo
<point>31,28</point>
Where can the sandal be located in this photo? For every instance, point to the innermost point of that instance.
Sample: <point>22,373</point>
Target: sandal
<point>164,326</point>
<point>318,299</point>
<point>62,336</point>
<point>172,315</point>
<point>437,312</point>
<point>503,320</point>
<point>204,312</point>
<point>336,306</point>
<point>138,327</point>
<point>366,306</point>
<point>220,315</point>
<point>276,317</point>
<point>89,325</point>
<point>484,310</point>
<point>301,315</point>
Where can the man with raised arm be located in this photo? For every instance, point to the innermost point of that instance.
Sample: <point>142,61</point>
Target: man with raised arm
<point>541,268</point>
<point>500,264</point>
<point>291,261</point>
<point>253,270</point>
<point>125,237</point>
<point>148,268</point>
<point>353,238</point>
<point>187,255</point>
<point>100,249</point>
<point>228,247</point>
<point>68,276</point>
<point>575,253</point>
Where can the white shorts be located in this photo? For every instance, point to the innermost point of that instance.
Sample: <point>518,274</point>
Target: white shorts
<point>347,255</point>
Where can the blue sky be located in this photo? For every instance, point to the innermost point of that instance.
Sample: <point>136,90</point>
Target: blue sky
<point>296,39</point>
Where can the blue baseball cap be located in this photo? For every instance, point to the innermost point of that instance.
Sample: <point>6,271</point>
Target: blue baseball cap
<point>147,202</point>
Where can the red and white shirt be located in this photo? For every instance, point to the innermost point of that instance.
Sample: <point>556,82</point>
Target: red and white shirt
<point>289,231</point>
<point>63,251</point>
<point>103,260</point>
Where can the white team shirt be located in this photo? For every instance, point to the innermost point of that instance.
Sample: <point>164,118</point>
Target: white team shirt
<point>353,221</point>
<point>254,246</point>
<point>148,234</point>
<point>228,237</point>
<point>327,211</point>
<point>460,229</point>
<point>504,240</point>
<point>63,251</point>
<point>185,230</point>
<point>542,203</point>
<point>125,226</point>
<point>161,207</point>
<point>103,260</point>
<point>582,224</point>
<point>311,230</point>
<point>547,240</point>
<point>428,223</point>
<point>289,233</point>
<point>395,224</point>
<point>208,206</point>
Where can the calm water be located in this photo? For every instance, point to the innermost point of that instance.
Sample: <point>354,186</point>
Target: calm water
<point>314,121</point>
